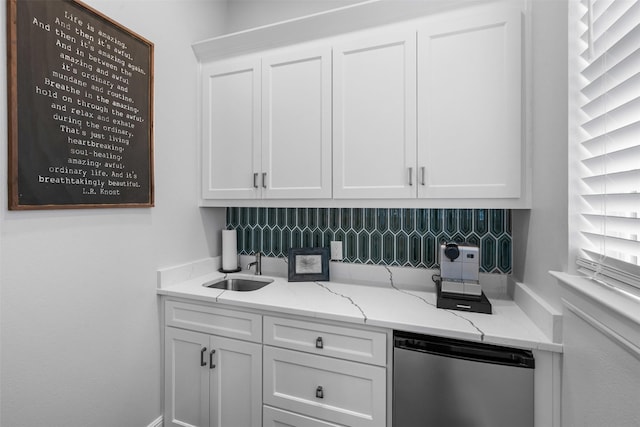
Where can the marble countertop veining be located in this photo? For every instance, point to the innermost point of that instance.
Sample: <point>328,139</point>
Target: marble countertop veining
<point>389,306</point>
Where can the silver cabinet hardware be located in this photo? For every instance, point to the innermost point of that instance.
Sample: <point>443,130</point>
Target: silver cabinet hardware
<point>255,180</point>
<point>410,176</point>
<point>423,171</point>
<point>264,180</point>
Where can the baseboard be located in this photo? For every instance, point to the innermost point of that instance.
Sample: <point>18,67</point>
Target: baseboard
<point>158,422</point>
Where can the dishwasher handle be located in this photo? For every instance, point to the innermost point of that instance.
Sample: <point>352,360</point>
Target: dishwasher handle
<point>467,350</point>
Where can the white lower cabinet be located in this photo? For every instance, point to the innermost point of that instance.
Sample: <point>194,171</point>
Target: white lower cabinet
<point>308,388</point>
<point>219,371</point>
<point>341,391</point>
<point>336,341</point>
<point>274,417</point>
<point>211,381</point>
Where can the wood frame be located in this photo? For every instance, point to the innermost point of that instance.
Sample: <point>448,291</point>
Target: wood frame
<point>65,185</point>
<point>317,270</point>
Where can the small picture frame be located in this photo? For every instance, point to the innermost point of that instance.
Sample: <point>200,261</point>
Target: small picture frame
<point>308,264</point>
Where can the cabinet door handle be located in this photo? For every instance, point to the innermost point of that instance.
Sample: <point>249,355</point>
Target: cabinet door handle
<point>255,180</point>
<point>423,175</point>
<point>202,352</point>
<point>264,180</point>
<point>319,343</point>
<point>211,353</point>
<point>319,392</point>
<point>410,176</point>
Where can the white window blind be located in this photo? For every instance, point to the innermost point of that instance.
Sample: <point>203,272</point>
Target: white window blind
<point>609,135</point>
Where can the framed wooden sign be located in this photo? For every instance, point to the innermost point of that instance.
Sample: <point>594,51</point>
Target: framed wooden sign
<point>80,109</point>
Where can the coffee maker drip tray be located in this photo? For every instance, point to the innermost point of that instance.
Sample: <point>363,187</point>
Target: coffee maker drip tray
<point>463,302</point>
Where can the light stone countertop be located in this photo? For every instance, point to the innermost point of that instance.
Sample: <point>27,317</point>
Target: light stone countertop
<point>381,305</point>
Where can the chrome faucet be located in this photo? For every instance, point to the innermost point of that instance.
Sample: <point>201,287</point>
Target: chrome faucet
<point>257,263</point>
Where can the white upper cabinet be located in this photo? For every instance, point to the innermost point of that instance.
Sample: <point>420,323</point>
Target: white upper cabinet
<point>296,124</point>
<point>470,105</point>
<point>267,126</point>
<point>424,113</point>
<point>231,150</point>
<point>374,92</point>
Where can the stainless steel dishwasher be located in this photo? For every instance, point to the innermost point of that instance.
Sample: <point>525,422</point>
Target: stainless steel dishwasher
<point>442,382</point>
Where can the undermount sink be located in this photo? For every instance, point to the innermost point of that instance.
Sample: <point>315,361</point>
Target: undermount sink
<point>240,284</point>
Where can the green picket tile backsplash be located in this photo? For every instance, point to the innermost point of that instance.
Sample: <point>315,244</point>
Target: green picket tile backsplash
<point>394,237</point>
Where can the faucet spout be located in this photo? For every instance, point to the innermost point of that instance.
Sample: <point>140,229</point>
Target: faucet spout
<point>257,263</point>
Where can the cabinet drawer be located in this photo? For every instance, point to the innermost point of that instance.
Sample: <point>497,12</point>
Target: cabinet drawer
<point>334,390</point>
<point>327,340</point>
<point>274,417</point>
<point>216,321</point>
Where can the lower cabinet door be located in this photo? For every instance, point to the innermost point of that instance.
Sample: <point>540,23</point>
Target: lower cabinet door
<point>186,379</point>
<point>274,417</point>
<point>211,381</point>
<point>236,383</point>
<point>334,390</point>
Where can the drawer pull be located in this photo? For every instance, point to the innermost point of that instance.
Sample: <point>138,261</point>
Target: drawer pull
<point>211,365</point>
<point>319,343</point>
<point>319,392</point>
<point>202,352</point>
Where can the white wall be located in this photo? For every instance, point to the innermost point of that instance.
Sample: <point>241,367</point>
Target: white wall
<point>78,311</point>
<point>540,236</point>
<point>601,377</point>
<point>244,14</point>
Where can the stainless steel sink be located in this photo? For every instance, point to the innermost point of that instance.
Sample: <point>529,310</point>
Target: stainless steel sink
<point>240,284</point>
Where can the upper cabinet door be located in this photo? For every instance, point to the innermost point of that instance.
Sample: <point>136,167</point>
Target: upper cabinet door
<point>231,129</point>
<point>470,142</point>
<point>374,136</point>
<point>296,124</point>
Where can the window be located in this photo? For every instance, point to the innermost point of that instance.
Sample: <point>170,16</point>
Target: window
<point>605,117</point>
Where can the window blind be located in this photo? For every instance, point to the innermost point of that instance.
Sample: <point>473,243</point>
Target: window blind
<point>609,135</point>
